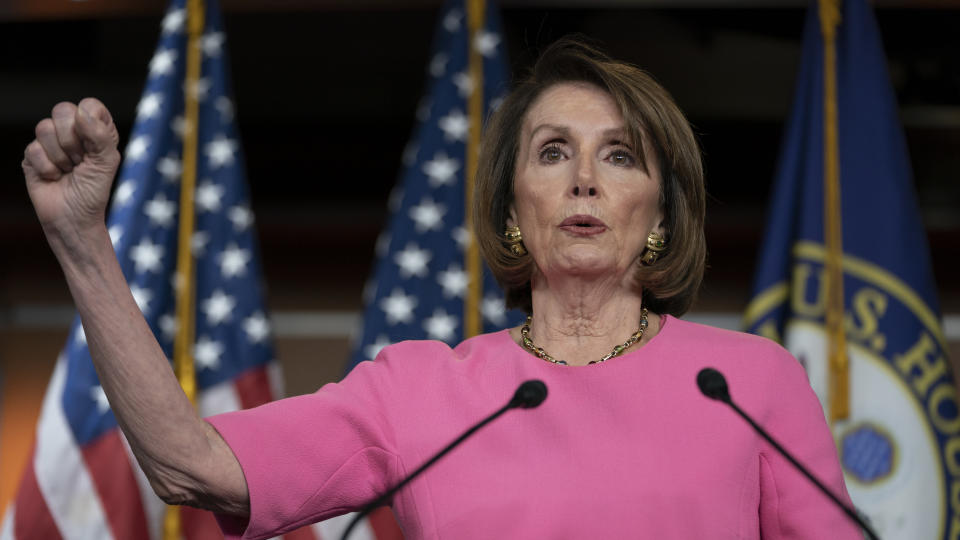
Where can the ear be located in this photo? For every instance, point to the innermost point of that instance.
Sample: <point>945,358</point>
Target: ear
<point>512,217</point>
<point>660,227</point>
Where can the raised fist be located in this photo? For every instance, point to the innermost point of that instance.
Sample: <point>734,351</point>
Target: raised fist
<point>70,166</point>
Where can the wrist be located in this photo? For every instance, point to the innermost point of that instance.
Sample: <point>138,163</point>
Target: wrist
<point>79,246</point>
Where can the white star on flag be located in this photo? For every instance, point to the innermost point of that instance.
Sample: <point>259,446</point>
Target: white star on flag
<point>116,233</point>
<point>199,89</point>
<point>373,349</point>
<point>218,307</point>
<point>146,256</point>
<point>206,352</point>
<point>441,169</point>
<point>173,21</point>
<point>369,288</point>
<point>398,307</point>
<point>428,215</point>
<point>142,297</point>
<point>256,327</point>
<point>168,326</point>
<point>125,190</point>
<point>455,126</point>
<point>486,43</point>
<point>198,243</point>
<point>396,197</point>
<point>220,151</point>
<point>464,84</point>
<point>162,62</point>
<point>423,109</point>
<point>233,261</point>
<point>451,22</point>
<point>208,196</point>
<point>149,106</point>
<point>461,236</point>
<point>170,167</point>
<point>225,107</point>
<point>412,261</point>
<point>410,154</point>
<point>241,217</point>
<point>100,397</point>
<point>160,210</point>
<point>137,148</point>
<point>179,126</point>
<point>212,44</point>
<point>81,336</point>
<point>494,310</point>
<point>453,280</point>
<point>438,65</point>
<point>383,243</point>
<point>440,325</point>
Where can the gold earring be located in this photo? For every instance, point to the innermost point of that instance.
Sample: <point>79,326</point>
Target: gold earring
<point>515,239</point>
<point>655,246</point>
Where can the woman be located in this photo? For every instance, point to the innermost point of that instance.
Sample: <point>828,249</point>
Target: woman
<point>590,212</point>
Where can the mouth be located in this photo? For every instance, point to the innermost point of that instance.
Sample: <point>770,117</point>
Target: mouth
<point>583,225</point>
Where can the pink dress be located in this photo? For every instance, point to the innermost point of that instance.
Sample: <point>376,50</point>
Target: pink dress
<point>628,448</point>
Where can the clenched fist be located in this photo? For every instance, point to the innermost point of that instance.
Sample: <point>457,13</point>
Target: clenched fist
<point>70,166</point>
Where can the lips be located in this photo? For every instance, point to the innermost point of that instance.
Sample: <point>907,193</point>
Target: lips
<point>583,224</point>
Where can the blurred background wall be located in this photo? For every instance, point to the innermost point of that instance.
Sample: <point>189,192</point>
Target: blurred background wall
<point>326,93</point>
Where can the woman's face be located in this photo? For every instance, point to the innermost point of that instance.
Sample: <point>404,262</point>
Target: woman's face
<point>582,200</point>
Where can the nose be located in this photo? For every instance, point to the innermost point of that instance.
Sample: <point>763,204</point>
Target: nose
<point>585,182</point>
<point>589,191</point>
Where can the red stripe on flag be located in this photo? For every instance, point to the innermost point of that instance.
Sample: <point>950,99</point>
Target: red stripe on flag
<point>303,533</point>
<point>384,524</point>
<point>110,468</point>
<point>32,518</point>
<point>253,387</point>
<point>198,524</point>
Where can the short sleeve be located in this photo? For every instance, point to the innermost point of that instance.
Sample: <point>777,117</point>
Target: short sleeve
<point>312,457</point>
<point>792,507</point>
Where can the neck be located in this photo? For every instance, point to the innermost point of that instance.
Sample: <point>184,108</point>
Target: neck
<point>580,321</point>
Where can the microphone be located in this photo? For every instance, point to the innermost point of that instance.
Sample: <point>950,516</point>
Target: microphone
<point>713,384</point>
<point>529,395</point>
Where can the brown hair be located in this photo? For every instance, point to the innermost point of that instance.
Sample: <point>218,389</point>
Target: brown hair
<point>671,283</point>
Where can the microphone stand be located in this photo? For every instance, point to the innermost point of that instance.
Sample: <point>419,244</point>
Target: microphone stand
<point>529,395</point>
<point>783,452</point>
<point>713,384</point>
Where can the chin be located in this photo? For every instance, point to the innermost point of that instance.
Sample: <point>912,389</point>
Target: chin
<point>587,264</point>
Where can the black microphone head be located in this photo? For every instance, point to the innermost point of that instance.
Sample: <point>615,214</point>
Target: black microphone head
<point>529,395</point>
<point>713,384</point>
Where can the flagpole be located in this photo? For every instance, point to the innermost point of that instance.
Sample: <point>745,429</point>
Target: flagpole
<point>839,382</point>
<point>471,306</point>
<point>184,282</point>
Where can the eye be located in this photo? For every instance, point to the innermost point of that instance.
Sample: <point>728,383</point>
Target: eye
<point>622,158</point>
<point>551,153</point>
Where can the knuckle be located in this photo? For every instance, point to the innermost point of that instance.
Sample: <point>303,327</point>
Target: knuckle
<point>44,128</point>
<point>33,150</point>
<point>64,109</point>
<point>47,170</point>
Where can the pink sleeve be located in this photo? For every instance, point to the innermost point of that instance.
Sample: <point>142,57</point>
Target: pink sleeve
<point>791,507</point>
<point>312,457</point>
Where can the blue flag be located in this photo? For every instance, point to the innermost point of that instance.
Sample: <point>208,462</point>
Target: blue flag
<point>80,454</point>
<point>899,446</point>
<point>420,280</point>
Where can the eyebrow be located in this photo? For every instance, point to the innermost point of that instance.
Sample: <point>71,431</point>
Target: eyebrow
<point>565,131</point>
<point>619,132</point>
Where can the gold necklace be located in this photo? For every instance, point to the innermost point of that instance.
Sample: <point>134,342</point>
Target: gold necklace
<point>617,351</point>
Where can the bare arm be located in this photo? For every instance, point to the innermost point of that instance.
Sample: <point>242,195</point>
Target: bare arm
<point>69,169</point>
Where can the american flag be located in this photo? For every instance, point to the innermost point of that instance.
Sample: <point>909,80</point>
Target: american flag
<point>82,480</point>
<point>418,288</point>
